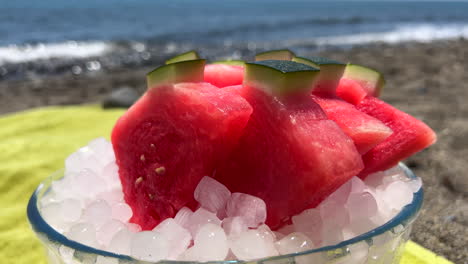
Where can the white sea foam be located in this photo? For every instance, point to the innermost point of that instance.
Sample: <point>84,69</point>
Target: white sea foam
<point>402,33</point>
<point>69,49</point>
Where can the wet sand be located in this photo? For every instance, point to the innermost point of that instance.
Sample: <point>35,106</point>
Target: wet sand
<point>429,81</point>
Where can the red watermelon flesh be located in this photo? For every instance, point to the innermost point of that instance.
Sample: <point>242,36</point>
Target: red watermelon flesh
<point>350,91</point>
<point>410,136</point>
<point>364,130</point>
<point>167,141</point>
<point>290,155</point>
<point>222,75</point>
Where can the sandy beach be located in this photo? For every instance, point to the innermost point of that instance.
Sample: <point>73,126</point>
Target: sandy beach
<point>428,81</point>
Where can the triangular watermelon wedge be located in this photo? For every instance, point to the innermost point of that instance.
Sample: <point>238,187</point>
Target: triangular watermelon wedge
<point>410,135</point>
<point>290,154</point>
<point>175,134</point>
<point>365,131</point>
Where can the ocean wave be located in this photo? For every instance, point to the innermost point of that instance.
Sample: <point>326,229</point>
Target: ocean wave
<point>69,49</point>
<point>403,33</point>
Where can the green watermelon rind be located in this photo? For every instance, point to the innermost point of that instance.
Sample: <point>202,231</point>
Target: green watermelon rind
<point>189,55</point>
<point>330,70</point>
<point>373,78</point>
<point>280,77</point>
<point>178,72</point>
<point>282,54</point>
<point>230,62</point>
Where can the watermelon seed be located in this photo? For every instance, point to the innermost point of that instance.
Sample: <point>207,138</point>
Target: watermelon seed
<point>152,145</point>
<point>161,170</point>
<point>142,157</point>
<point>140,179</point>
<point>150,196</point>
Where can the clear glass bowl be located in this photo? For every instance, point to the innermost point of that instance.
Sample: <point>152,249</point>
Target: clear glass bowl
<point>383,245</point>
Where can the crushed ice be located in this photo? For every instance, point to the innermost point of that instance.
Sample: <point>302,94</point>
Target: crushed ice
<point>87,206</point>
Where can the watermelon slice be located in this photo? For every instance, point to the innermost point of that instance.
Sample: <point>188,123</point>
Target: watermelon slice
<point>365,131</point>
<point>290,154</point>
<point>410,135</point>
<point>175,134</point>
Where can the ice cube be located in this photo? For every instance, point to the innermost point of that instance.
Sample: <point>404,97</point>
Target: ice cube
<point>266,233</point>
<point>201,217</point>
<point>120,242</point>
<point>103,150</point>
<point>331,235</point>
<point>210,244</point>
<point>287,229</point>
<point>212,195</point>
<point>397,195</point>
<point>71,210</point>
<point>179,238</point>
<point>134,228</point>
<point>84,158</point>
<point>121,212</point>
<point>361,206</point>
<point>112,196</point>
<point>357,185</point>
<point>87,184</point>
<point>183,217</point>
<point>415,184</point>
<point>52,214</point>
<point>233,226</point>
<point>108,230</point>
<point>83,233</point>
<point>374,179</point>
<point>66,254</point>
<point>333,213</point>
<point>309,222</point>
<point>252,245</point>
<point>252,209</point>
<point>149,246</point>
<point>358,253</point>
<point>97,213</point>
<point>110,174</point>
<point>341,194</point>
<point>293,243</point>
<point>106,260</point>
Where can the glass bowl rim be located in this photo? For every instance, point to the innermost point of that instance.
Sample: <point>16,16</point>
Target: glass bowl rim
<point>405,216</point>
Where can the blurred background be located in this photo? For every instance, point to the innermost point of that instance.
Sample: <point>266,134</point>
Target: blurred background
<point>57,52</point>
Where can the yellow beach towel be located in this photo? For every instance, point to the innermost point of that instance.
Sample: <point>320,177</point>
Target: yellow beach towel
<point>33,144</point>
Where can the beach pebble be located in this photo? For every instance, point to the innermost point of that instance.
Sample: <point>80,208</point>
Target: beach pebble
<point>122,97</point>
